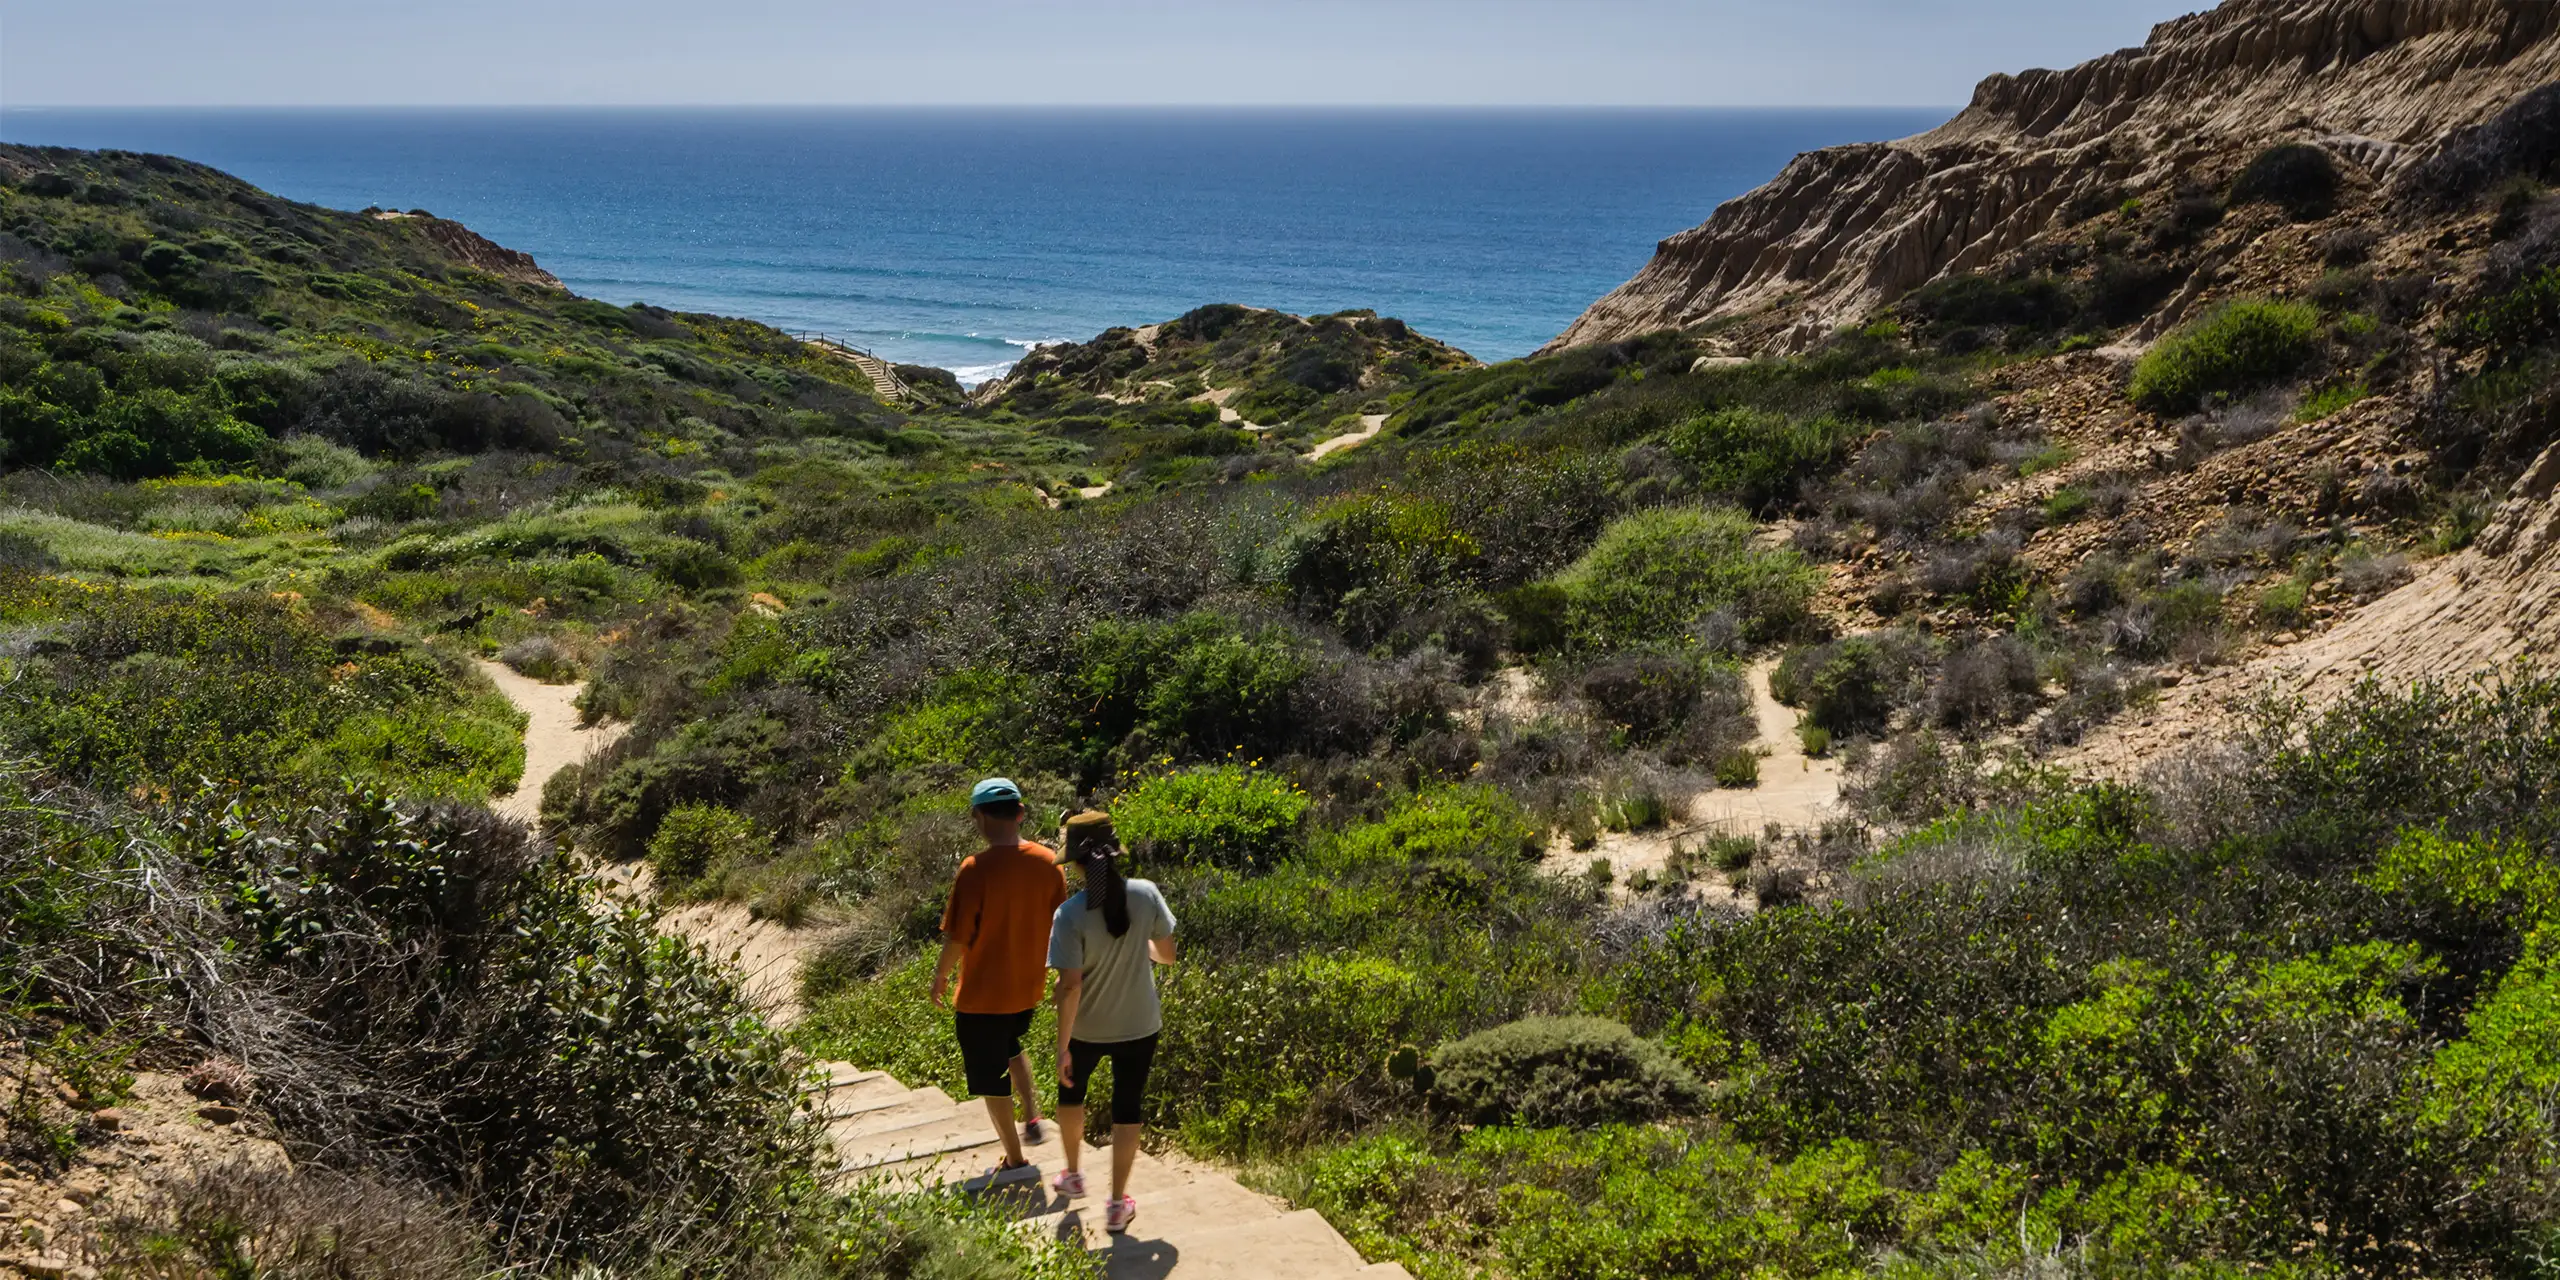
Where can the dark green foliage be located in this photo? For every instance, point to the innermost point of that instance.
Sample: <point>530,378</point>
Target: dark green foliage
<point>2513,323</point>
<point>2237,349</point>
<point>1757,458</point>
<point>1667,700</point>
<point>424,991</point>
<point>2300,179</point>
<point>1197,687</point>
<point>131,354</point>
<point>696,842</point>
<point>1656,574</point>
<point>1560,1072</point>
<point>1850,687</point>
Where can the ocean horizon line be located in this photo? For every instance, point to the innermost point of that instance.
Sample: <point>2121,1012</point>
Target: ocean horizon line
<point>1238,108</point>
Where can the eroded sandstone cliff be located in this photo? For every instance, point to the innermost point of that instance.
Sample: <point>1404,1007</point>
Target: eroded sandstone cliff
<point>2375,82</point>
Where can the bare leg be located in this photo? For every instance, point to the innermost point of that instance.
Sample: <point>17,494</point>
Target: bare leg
<point>1071,1134</point>
<point>1124,1156</point>
<point>1025,1087</point>
<point>1000,1113</point>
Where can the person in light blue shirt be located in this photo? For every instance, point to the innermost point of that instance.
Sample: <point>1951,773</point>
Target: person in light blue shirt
<point>1105,943</point>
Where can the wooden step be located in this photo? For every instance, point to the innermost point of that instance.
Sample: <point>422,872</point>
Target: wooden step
<point>1300,1245</point>
<point>875,1104</point>
<point>859,1094</point>
<point>840,1075</point>
<point>908,1145</point>
<point>1162,1209</point>
<point>923,1106</point>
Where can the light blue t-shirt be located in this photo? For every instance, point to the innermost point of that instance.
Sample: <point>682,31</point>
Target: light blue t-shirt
<point>1119,998</point>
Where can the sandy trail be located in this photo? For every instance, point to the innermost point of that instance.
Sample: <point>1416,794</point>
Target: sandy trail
<point>1370,425</point>
<point>1795,791</point>
<point>553,738</point>
<point>767,954</point>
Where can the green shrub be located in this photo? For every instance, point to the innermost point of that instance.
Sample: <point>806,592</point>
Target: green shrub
<point>974,721</point>
<point>696,842</point>
<point>2232,351</point>
<point>1223,815</point>
<point>1372,561</point>
<point>2330,401</point>
<point>2283,604</point>
<point>1573,1072</point>
<point>1198,687</point>
<point>1846,688</point>
<point>2068,503</point>
<point>1739,767</point>
<point>2519,320</point>
<point>2299,178</point>
<point>1756,457</point>
<point>1655,573</point>
<point>1617,1203</point>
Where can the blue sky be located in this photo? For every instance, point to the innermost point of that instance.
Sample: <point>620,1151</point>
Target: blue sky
<point>1456,52</point>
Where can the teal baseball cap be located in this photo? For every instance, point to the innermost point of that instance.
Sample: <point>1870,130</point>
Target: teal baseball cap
<point>995,791</point>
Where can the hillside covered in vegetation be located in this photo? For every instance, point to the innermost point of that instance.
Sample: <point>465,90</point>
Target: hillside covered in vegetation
<point>2051,989</point>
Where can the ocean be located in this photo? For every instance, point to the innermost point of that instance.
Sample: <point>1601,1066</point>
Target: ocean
<point>960,238</point>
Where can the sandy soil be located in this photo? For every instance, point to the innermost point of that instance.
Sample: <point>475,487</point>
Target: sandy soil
<point>553,738</point>
<point>1795,792</point>
<point>160,1134</point>
<point>1370,425</point>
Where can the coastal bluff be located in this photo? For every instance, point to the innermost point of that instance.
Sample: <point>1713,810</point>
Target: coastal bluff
<point>1843,230</point>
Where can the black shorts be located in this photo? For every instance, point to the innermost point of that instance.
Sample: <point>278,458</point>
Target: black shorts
<point>1130,1062</point>
<point>988,1042</point>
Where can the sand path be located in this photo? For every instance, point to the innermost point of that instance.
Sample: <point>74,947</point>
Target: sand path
<point>1370,425</point>
<point>553,738</point>
<point>1795,791</point>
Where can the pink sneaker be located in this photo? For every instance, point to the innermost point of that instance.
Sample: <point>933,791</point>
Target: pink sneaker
<point>1122,1212</point>
<point>1069,1182</point>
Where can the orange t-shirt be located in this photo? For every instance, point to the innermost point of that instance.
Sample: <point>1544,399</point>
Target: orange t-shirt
<point>1001,905</point>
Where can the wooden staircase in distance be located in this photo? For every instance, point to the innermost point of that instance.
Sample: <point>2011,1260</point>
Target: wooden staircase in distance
<point>884,380</point>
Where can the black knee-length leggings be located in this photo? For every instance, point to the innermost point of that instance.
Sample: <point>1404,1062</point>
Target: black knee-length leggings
<point>1130,1062</point>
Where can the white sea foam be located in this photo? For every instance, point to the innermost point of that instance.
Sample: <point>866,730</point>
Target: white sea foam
<point>974,376</point>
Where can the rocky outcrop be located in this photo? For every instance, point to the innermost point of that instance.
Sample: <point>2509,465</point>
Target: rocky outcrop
<point>2376,82</point>
<point>475,250</point>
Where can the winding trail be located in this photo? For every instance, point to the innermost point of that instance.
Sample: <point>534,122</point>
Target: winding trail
<point>1195,1220</point>
<point>1370,425</point>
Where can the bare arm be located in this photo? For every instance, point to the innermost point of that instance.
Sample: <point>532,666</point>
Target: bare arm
<point>1070,994</point>
<point>1161,949</point>
<point>942,969</point>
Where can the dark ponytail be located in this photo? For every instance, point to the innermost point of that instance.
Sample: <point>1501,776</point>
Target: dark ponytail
<point>1094,846</point>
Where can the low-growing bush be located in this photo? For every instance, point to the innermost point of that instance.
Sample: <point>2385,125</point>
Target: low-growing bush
<point>1224,815</point>
<point>1988,683</point>
<point>1655,574</point>
<point>2238,348</point>
<point>696,842</point>
<point>1572,1072</point>
<point>1756,457</point>
<point>2296,177</point>
<point>542,658</point>
<point>1850,687</point>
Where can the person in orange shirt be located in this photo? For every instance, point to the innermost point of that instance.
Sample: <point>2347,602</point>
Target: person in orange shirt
<point>995,932</point>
